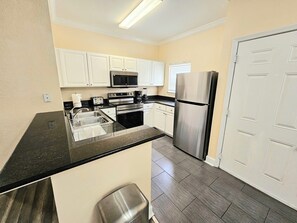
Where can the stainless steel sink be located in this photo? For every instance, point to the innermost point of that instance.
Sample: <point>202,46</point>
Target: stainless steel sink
<point>90,124</point>
<point>89,120</point>
<point>88,114</point>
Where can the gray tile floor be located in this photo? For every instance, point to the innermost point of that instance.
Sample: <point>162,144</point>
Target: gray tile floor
<point>185,189</point>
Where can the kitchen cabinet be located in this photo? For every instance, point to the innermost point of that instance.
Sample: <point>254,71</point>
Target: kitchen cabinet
<point>150,73</point>
<point>72,68</point>
<point>111,112</point>
<point>82,69</point>
<point>169,120</point>
<point>164,118</point>
<point>144,69</point>
<point>158,73</point>
<point>123,64</point>
<point>87,69</point>
<point>98,66</point>
<point>148,114</point>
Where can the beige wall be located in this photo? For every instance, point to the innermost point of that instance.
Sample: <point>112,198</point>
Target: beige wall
<point>28,69</point>
<point>202,50</point>
<point>77,39</point>
<point>245,18</point>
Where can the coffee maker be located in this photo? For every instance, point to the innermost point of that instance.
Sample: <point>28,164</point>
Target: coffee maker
<point>144,95</point>
<point>137,96</point>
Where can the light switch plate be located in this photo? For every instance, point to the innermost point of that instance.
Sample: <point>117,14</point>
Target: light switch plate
<point>46,97</point>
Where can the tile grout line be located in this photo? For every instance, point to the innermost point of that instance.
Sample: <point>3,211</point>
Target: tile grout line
<point>267,214</point>
<point>213,182</point>
<point>226,210</point>
<point>158,196</point>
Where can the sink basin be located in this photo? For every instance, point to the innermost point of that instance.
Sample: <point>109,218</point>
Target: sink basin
<point>88,114</point>
<point>89,120</point>
<point>90,124</point>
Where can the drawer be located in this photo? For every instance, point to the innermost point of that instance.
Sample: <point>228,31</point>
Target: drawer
<point>160,107</point>
<point>170,109</point>
<point>109,111</point>
<point>148,106</point>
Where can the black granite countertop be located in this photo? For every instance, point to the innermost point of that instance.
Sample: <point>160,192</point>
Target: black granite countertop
<point>48,147</point>
<point>169,101</point>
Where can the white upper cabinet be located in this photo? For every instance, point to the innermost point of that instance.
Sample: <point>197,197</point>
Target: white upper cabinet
<point>150,73</point>
<point>82,69</point>
<point>158,73</point>
<point>73,68</point>
<point>144,69</point>
<point>130,64</point>
<point>87,69</point>
<point>116,63</point>
<point>123,64</point>
<point>98,70</point>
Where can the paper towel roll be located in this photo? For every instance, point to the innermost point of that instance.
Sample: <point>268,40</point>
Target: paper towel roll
<point>76,99</point>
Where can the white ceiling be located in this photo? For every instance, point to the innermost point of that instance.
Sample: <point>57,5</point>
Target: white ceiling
<point>171,19</point>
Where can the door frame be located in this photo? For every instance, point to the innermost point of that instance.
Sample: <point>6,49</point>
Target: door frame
<point>230,77</point>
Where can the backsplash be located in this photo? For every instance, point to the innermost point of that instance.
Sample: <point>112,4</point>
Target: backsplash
<point>87,93</point>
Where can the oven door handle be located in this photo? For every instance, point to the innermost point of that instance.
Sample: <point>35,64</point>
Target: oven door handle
<point>129,111</point>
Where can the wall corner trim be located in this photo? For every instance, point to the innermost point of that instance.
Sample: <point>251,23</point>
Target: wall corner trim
<point>211,161</point>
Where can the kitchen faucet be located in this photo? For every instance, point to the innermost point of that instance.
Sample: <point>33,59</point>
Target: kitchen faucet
<point>72,114</point>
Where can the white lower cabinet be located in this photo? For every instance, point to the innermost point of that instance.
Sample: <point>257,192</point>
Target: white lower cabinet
<point>169,124</point>
<point>164,118</point>
<point>148,114</point>
<point>160,119</point>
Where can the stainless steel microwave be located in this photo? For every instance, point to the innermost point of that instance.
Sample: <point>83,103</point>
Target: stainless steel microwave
<point>123,79</point>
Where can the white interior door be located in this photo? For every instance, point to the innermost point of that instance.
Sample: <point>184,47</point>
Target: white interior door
<point>260,142</point>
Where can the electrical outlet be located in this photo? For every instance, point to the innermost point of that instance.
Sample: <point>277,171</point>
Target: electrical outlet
<point>46,97</point>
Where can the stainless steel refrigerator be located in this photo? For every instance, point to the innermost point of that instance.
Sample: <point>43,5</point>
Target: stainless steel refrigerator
<point>194,102</point>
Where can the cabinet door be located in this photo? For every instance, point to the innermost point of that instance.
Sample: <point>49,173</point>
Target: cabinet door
<point>130,64</point>
<point>98,70</point>
<point>169,124</point>
<point>116,63</point>
<point>72,67</point>
<point>149,117</point>
<point>158,73</point>
<point>144,69</point>
<point>159,119</point>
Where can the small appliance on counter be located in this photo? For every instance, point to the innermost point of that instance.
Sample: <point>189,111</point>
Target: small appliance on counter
<point>137,96</point>
<point>144,95</point>
<point>97,100</point>
<point>76,99</point>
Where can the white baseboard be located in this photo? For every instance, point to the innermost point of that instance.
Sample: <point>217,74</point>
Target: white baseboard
<point>211,161</point>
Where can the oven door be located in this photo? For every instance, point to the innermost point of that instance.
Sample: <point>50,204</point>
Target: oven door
<point>130,118</point>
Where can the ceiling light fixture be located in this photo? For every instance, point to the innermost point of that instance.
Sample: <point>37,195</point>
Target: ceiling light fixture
<point>140,11</point>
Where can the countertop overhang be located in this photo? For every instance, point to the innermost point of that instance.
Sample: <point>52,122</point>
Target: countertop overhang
<point>47,148</point>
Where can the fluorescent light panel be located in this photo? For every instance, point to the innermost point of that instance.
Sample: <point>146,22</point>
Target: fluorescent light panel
<point>140,11</point>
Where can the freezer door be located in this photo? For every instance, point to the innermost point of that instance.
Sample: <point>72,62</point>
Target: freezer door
<point>189,128</point>
<point>194,87</point>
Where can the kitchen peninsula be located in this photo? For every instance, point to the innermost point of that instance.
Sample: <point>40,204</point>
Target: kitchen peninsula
<point>81,172</point>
